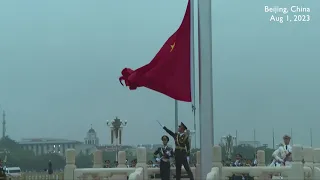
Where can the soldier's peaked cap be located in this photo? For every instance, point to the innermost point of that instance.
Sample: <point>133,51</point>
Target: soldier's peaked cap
<point>164,137</point>
<point>286,137</point>
<point>184,126</point>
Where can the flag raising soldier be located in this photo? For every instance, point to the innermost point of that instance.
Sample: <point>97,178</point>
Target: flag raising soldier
<point>182,150</point>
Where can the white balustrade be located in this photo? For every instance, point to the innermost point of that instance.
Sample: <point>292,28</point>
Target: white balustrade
<point>305,166</point>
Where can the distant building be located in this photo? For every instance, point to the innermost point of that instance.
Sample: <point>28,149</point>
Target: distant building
<point>249,143</point>
<point>48,145</point>
<point>92,137</point>
<point>91,142</point>
<point>42,146</point>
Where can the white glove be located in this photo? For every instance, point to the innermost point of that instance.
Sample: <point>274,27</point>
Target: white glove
<point>158,159</point>
<point>188,159</point>
<point>168,153</point>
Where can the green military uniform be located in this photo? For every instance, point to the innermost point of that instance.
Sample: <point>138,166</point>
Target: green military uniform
<point>182,151</point>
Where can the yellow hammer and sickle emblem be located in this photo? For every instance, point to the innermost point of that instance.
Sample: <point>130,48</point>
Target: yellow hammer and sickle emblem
<point>172,46</point>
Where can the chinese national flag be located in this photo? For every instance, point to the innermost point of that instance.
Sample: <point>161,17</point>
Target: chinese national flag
<point>169,71</point>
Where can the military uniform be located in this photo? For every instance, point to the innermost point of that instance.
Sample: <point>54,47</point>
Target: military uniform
<point>238,163</point>
<point>182,151</point>
<point>282,155</point>
<point>165,153</point>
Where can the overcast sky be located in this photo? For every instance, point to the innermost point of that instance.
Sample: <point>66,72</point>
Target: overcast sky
<point>60,62</point>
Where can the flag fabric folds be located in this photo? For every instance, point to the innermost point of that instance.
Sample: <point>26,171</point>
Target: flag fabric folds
<point>169,71</point>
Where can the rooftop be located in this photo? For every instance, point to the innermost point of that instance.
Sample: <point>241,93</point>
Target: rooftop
<point>91,130</point>
<point>47,141</point>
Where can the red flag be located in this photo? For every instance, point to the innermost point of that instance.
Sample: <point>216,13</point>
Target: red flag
<point>169,71</point>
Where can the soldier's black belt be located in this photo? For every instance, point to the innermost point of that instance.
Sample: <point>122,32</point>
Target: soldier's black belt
<point>180,148</point>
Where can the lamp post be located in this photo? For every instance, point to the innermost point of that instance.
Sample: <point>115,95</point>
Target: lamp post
<point>116,127</point>
<point>227,142</point>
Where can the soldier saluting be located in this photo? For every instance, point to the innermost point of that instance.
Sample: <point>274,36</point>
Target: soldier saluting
<point>182,150</point>
<point>165,153</point>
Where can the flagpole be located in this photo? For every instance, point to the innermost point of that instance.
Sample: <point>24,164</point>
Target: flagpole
<point>176,115</point>
<point>273,138</point>
<point>205,86</point>
<point>254,139</point>
<point>236,137</point>
<point>291,136</point>
<point>193,71</point>
<point>311,138</point>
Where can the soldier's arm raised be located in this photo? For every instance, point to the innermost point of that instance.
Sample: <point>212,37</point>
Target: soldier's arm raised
<point>169,132</point>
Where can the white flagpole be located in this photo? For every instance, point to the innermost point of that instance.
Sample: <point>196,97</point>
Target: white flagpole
<point>236,137</point>
<point>254,139</point>
<point>311,138</point>
<point>205,86</point>
<point>193,71</point>
<point>291,137</point>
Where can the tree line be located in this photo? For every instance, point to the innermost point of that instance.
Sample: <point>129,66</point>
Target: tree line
<point>12,155</point>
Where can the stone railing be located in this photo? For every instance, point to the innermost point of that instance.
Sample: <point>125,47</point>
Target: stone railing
<point>298,171</point>
<point>309,170</point>
<point>140,172</point>
<point>38,176</point>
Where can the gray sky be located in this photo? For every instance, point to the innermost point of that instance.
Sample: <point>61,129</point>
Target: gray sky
<point>60,62</point>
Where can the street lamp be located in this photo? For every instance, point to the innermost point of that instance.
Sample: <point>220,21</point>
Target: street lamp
<point>116,127</point>
<point>227,142</point>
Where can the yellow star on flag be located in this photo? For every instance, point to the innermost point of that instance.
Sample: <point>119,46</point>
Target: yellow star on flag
<point>172,46</point>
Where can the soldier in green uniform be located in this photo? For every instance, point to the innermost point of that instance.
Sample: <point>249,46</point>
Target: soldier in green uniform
<point>182,151</point>
<point>165,153</point>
